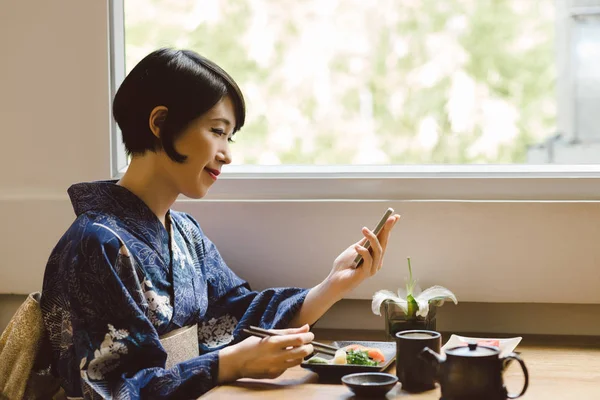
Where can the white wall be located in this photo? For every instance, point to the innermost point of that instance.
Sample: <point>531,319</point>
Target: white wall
<point>54,101</point>
<point>485,252</point>
<point>54,106</point>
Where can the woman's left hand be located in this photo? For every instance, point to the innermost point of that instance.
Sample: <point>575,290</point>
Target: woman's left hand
<point>344,276</point>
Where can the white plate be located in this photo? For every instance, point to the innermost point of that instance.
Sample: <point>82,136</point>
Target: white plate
<point>507,346</point>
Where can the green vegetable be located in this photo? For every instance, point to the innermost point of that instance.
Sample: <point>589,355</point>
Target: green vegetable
<point>317,360</point>
<point>359,357</point>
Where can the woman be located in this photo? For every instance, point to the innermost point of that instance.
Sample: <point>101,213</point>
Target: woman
<point>130,270</point>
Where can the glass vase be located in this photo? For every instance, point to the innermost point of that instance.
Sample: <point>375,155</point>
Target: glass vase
<point>396,320</point>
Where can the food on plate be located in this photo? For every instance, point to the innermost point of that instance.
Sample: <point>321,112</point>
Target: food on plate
<point>504,345</point>
<point>355,347</point>
<point>376,355</point>
<point>360,357</point>
<point>483,342</point>
<point>317,360</point>
<point>354,354</point>
<point>340,357</point>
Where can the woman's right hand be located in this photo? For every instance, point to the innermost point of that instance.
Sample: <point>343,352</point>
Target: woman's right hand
<point>265,358</point>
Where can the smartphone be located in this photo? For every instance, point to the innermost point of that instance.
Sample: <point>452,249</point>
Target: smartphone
<point>359,259</point>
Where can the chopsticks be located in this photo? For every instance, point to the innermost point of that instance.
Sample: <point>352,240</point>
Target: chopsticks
<point>319,347</point>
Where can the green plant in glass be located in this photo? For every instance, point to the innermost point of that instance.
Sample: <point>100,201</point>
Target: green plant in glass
<point>412,308</point>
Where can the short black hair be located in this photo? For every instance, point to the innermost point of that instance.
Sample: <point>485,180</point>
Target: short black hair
<point>183,81</point>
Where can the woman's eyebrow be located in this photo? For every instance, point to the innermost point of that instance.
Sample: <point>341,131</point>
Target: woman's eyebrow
<point>224,120</point>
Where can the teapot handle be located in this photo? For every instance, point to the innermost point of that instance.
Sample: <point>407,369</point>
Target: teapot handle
<point>514,356</point>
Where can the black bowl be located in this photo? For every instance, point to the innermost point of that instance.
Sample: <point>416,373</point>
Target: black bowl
<point>370,384</point>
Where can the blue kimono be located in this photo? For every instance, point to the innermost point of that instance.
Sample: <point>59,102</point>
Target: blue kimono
<point>117,280</point>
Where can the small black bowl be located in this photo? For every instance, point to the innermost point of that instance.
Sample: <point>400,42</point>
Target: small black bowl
<point>370,384</point>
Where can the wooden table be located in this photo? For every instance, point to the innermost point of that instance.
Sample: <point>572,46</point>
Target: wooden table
<point>560,368</point>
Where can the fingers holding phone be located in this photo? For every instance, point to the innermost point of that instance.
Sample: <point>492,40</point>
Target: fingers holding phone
<point>384,235</point>
<point>367,252</point>
<point>370,257</point>
<point>376,240</point>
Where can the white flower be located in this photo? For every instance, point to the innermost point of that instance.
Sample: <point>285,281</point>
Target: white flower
<point>407,300</point>
<point>435,294</point>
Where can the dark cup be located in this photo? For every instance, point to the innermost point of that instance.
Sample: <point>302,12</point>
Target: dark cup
<point>416,374</point>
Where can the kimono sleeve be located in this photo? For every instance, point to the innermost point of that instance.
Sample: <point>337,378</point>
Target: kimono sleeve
<point>231,297</point>
<point>114,345</point>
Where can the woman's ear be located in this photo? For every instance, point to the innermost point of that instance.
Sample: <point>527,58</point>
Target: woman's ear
<point>158,115</point>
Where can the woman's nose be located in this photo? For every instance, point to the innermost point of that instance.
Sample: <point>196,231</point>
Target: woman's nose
<point>224,156</point>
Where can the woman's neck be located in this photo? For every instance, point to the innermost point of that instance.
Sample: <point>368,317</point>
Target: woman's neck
<point>144,179</point>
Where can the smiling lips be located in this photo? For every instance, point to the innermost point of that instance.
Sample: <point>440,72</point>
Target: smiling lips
<point>213,173</point>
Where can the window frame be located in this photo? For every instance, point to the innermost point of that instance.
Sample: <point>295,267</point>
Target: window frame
<point>116,13</point>
<point>474,182</point>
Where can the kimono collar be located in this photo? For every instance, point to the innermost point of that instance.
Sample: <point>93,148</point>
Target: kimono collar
<point>106,197</point>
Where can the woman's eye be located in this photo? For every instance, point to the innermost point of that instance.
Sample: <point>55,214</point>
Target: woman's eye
<point>221,132</point>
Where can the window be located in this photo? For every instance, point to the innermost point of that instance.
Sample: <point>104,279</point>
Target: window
<point>411,88</point>
<point>586,58</point>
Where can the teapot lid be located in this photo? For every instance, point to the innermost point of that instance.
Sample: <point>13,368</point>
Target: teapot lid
<point>473,350</point>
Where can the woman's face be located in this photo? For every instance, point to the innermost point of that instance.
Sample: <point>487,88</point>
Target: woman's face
<point>205,142</point>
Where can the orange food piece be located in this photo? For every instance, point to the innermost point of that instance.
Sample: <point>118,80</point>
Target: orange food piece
<point>355,347</point>
<point>493,343</point>
<point>375,354</point>
<point>490,343</point>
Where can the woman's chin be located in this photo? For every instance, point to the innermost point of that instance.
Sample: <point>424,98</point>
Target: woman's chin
<point>196,193</point>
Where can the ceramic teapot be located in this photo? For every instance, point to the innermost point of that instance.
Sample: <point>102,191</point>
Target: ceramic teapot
<point>473,372</point>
